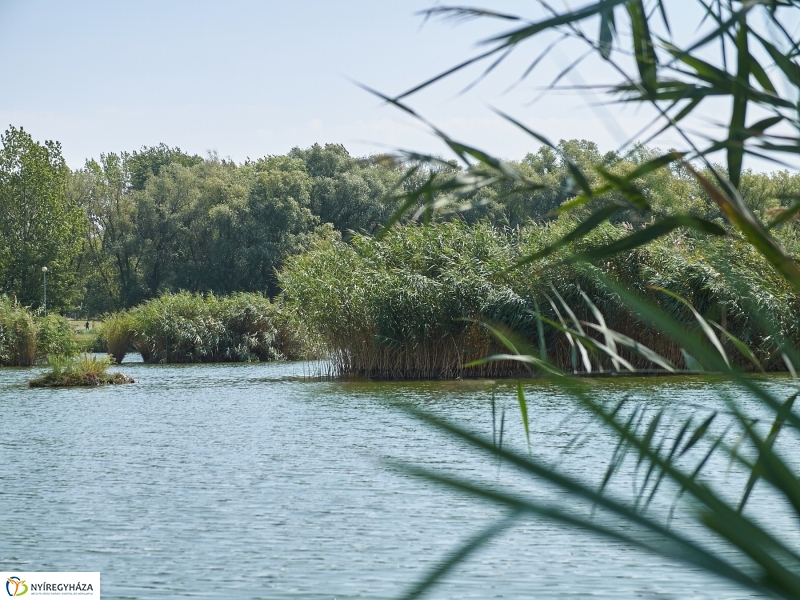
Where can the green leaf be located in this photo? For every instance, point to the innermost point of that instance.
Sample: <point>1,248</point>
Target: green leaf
<point>574,170</point>
<point>630,191</point>
<point>461,554</point>
<point>777,425</point>
<point>785,215</point>
<point>740,346</point>
<point>704,325</point>
<point>691,362</point>
<point>669,542</point>
<point>789,68</point>
<point>740,97</point>
<point>523,409</point>
<point>516,36</point>
<point>643,50</point>
<point>606,36</point>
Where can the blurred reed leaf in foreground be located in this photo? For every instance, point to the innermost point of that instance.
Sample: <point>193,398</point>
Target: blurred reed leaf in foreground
<point>721,81</point>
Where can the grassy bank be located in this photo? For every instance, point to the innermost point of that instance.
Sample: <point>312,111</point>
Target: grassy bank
<point>85,338</point>
<point>410,305</point>
<point>192,328</point>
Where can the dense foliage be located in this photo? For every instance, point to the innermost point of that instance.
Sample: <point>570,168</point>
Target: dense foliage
<point>408,305</point>
<point>39,225</point>
<point>128,227</point>
<point>17,334</point>
<point>162,221</point>
<point>192,328</point>
<point>26,338</point>
<point>210,225</point>
<point>396,308</point>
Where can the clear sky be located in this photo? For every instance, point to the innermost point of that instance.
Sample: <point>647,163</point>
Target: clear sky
<point>247,78</point>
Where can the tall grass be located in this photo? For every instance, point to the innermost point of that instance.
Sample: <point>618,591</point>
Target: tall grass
<point>191,328</point>
<point>117,331</point>
<point>17,334</point>
<point>54,337</point>
<point>26,338</point>
<point>408,305</point>
<point>404,306</point>
<point>79,371</point>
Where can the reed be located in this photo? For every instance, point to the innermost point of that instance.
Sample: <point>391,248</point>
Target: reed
<point>293,339</point>
<point>116,334</point>
<point>17,334</point>
<point>411,304</point>
<point>400,307</point>
<point>26,338</point>
<point>679,291</point>
<point>54,336</point>
<point>191,328</point>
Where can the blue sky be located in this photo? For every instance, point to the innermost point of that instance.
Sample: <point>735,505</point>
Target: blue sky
<point>251,78</point>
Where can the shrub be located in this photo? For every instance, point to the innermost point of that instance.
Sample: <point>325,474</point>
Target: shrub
<point>98,344</point>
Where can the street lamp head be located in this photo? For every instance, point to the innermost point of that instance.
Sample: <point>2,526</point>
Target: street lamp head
<point>44,269</point>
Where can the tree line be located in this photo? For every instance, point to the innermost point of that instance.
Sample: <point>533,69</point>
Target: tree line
<point>129,226</point>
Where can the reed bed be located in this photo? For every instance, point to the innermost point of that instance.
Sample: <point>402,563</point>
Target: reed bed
<point>415,303</point>
<point>116,334</point>
<point>26,338</point>
<point>404,307</point>
<point>17,334</point>
<point>193,328</point>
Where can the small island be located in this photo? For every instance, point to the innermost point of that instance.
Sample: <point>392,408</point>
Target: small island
<point>81,371</point>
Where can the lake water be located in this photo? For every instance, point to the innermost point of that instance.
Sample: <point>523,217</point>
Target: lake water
<point>256,481</point>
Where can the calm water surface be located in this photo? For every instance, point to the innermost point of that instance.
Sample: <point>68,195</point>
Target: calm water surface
<point>255,481</point>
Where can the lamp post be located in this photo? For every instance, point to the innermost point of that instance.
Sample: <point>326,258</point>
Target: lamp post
<point>44,304</point>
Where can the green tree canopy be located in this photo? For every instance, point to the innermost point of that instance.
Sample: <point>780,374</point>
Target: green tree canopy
<point>160,220</point>
<point>39,224</point>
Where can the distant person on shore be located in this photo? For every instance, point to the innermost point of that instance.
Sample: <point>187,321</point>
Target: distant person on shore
<point>87,325</point>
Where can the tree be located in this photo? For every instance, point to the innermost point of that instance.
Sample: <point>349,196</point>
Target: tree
<point>214,242</point>
<point>348,192</point>
<point>150,160</point>
<point>39,224</point>
<point>164,210</point>
<point>111,252</point>
<point>280,223</point>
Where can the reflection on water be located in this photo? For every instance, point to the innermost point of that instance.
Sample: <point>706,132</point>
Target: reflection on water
<point>259,481</point>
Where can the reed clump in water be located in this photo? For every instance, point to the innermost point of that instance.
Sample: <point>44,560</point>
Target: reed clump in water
<point>116,334</point>
<point>404,307</point>
<point>409,305</point>
<point>79,371</point>
<point>17,334</point>
<point>193,328</point>
<point>26,338</point>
